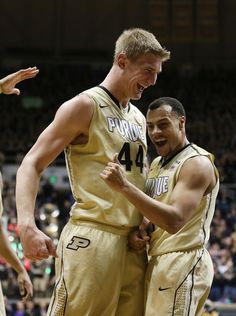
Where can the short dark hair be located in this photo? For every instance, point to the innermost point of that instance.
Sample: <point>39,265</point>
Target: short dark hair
<point>175,104</point>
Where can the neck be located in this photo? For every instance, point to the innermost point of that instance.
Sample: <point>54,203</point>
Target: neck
<point>177,149</point>
<point>113,82</point>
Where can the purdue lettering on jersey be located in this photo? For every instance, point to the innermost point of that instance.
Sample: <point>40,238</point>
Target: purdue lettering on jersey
<point>155,187</point>
<point>111,132</point>
<point>130,130</point>
<point>78,242</point>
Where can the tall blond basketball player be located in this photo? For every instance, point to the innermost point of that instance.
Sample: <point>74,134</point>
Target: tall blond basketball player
<point>96,273</point>
<point>181,189</point>
<point>92,247</point>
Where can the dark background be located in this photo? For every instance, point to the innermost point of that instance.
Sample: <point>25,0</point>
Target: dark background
<point>196,31</point>
<point>72,43</point>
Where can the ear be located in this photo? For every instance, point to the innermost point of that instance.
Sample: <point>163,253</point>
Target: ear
<point>121,60</point>
<point>182,122</point>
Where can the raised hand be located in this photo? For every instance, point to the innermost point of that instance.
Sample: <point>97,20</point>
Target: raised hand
<point>8,83</point>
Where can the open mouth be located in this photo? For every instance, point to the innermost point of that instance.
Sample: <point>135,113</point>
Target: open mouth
<point>161,143</point>
<point>140,88</point>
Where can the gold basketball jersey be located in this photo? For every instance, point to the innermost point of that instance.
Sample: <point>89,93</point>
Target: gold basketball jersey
<point>160,184</point>
<point>112,131</point>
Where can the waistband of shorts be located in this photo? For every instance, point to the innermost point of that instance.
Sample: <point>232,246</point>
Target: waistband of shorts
<point>123,231</point>
<point>180,250</point>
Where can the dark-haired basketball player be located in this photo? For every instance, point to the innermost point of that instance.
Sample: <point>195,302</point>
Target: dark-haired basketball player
<point>180,197</point>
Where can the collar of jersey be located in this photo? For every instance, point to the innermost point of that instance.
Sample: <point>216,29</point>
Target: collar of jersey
<point>112,97</point>
<point>165,162</point>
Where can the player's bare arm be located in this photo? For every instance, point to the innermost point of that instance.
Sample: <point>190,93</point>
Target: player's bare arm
<point>196,178</point>
<point>71,122</point>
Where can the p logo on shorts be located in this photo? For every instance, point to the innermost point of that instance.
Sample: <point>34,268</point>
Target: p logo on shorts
<point>78,242</point>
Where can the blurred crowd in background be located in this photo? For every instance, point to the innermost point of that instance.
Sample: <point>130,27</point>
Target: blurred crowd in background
<point>209,98</point>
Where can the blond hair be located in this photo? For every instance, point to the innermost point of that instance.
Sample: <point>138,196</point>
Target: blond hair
<point>136,42</point>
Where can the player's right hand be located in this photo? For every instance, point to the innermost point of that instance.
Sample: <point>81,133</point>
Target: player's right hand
<point>36,245</point>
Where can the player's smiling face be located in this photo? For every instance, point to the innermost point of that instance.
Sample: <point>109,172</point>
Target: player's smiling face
<point>166,130</point>
<point>140,74</point>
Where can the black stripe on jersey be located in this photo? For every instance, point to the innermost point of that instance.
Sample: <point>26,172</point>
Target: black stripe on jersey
<point>61,279</point>
<point>192,286</point>
<point>114,99</point>
<point>191,291</point>
<point>203,227</point>
<point>165,162</point>
<point>194,148</point>
<point>204,231</point>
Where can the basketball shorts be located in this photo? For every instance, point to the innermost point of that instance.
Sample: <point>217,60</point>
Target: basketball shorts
<point>178,283</point>
<point>96,273</point>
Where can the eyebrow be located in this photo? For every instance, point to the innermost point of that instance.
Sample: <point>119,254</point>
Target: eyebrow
<point>153,69</point>
<point>160,121</point>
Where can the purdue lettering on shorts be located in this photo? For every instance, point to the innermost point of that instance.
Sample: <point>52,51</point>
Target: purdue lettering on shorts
<point>78,242</point>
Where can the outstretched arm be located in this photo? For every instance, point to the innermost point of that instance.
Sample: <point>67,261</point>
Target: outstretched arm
<point>8,83</point>
<point>25,285</point>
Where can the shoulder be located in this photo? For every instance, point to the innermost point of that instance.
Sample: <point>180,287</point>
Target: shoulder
<point>199,150</point>
<point>81,104</point>
<point>79,101</point>
<point>198,169</point>
<point>198,165</point>
<point>196,160</point>
<point>73,116</point>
